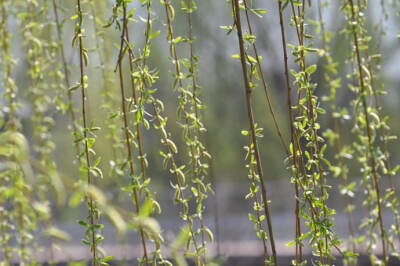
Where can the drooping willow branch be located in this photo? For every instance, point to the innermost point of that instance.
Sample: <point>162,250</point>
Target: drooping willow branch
<point>294,153</point>
<point>335,136</point>
<point>70,105</point>
<point>253,193</point>
<point>373,66</point>
<point>370,157</point>
<point>307,164</point>
<point>237,19</point>
<point>263,80</point>
<point>110,103</point>
<point>135,184</point>
<point>142,80</point>
<point>93,236</point>
<point>188,102</point>
<point>199,152</point>
<point>310,114</point>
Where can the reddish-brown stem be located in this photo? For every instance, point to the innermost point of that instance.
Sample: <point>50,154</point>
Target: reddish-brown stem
<point>85,129</point>
<point>127,135</point>
<point>369,135</point>
<point>195,103</point>
<point>256,199</point>
<point>384,139</point>
<point>194,163</point>
<point>179,183</point>
<point>252,127</point>
<point>66,72</point>
<point>180,186</point>
<point>135,101</point>
<point>292,133</point>
<point>338,143</point>
<point>310,111</point>
<point>264,83</point>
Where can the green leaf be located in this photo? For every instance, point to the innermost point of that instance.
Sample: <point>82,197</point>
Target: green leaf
<point>311,69</point>
<point>176,40</point>
<point>107,258</point>
<point>154,34</point>
<point>291,243</point>
<point>74,87</point>
<point>209,233</point>
<point>259,11</point>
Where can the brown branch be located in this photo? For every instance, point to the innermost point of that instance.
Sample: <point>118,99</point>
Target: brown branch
<point>252,126</point>
<point>292,133</point>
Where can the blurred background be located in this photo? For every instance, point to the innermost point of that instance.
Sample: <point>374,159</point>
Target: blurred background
<point>222,93</point>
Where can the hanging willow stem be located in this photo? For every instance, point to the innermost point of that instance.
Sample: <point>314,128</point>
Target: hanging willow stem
<point>66,73</point>
<point>385,142</point>
<point>253,175</point>
<point>127,135</point>
<point>299,163</point>
<point>368,129</point>
<point>191,135</point>
<point>336,128</point>
<point>83,86</point>
<point>388,160</point>
<point>264,83</point>
<point>292,134</point>
<point>199,127</point>
<point>311,109</point>
<point>134,93</point>
<point>174,167</point>
<point>250,115</point>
